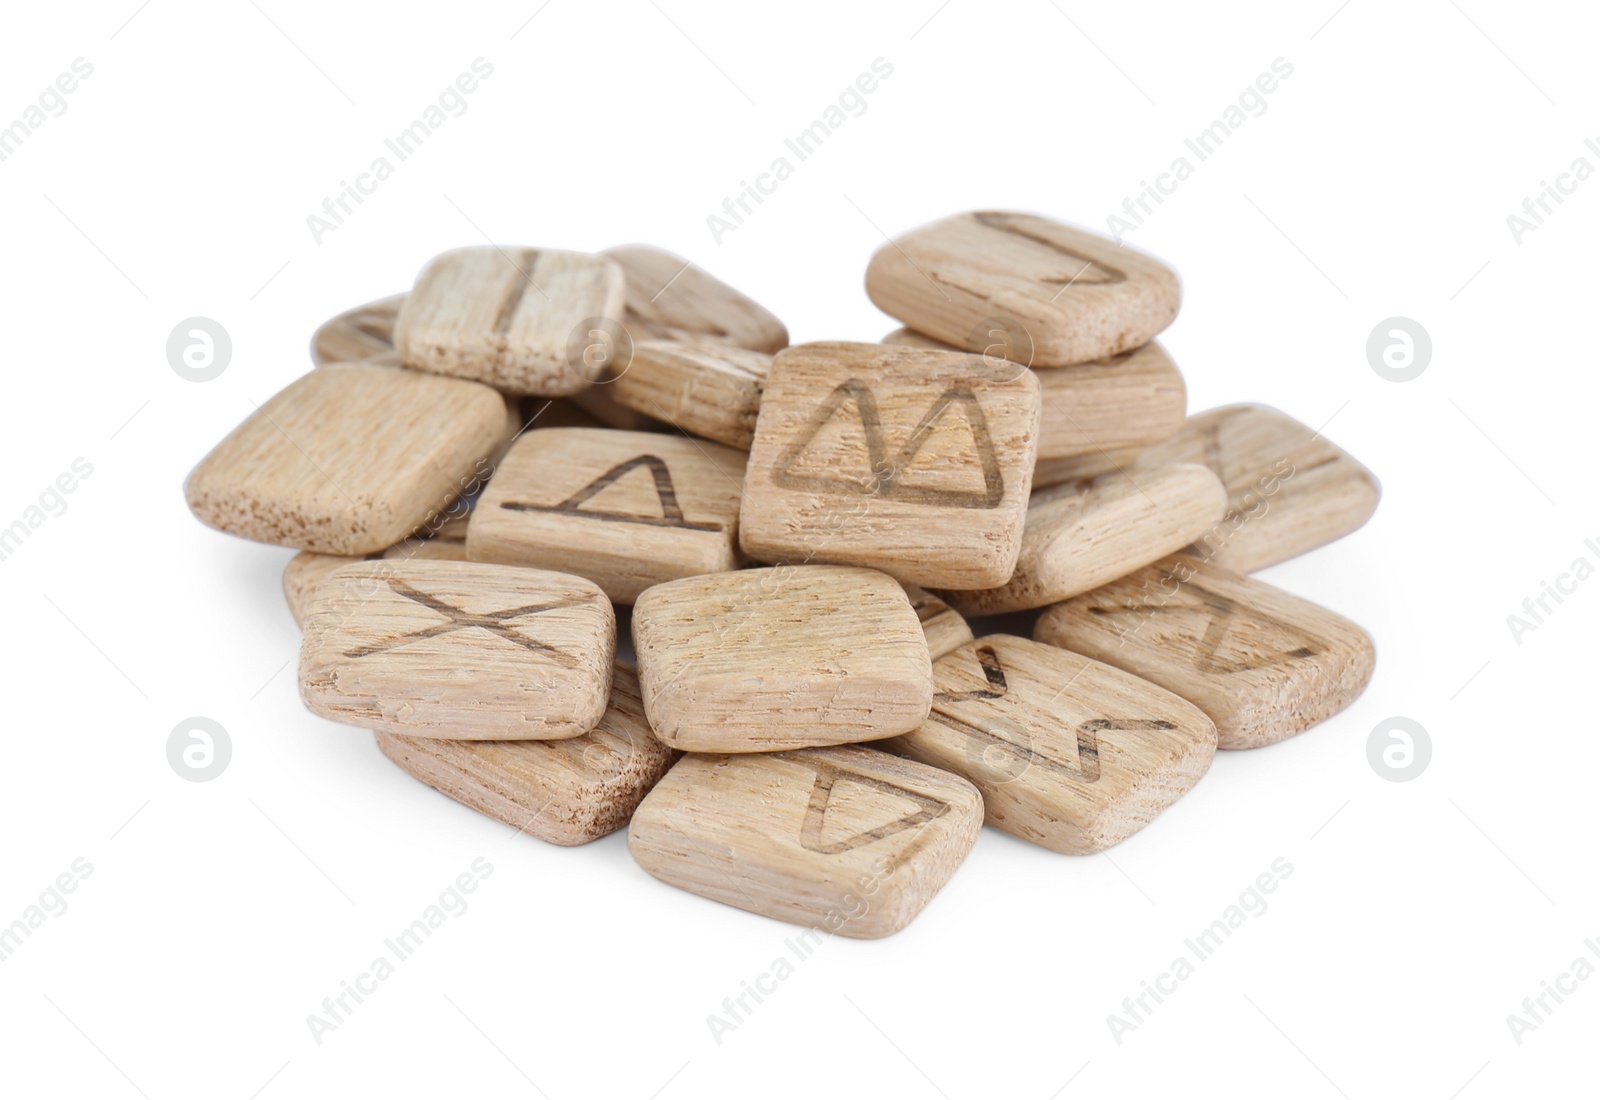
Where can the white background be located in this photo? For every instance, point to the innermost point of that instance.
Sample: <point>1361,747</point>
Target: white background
<point>219,915</point>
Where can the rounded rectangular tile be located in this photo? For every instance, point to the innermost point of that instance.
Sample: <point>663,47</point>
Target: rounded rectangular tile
<point>350,459</point>
<point>915,462</point>
<point>1263,664</point>
<point>766,659</point>
<point>431,648</point>
<point>1068,753</point>
<point>1071,295</point>
<point>708,388</point>
<point>1290,490</point>
<point>627,510</point>
<point>670,298</point>
<point>520,319</point>
<point>846,840</point>
<point>1081,535</point>
<point>363,334</point>
<point>566,792</point>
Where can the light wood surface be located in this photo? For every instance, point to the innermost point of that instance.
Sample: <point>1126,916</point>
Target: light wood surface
<point>566,792</point>
<point>1263,664</point>
<point>1077,296</point>
<point>625,509</point>
<point>846,840</point>
<point>942,625</point>
<point>304,574</point>
<point>306,570</point>
<point>458,650</point>
<point>708,388</point>
<point>363,334</point>
<point>911,461</point>
<point>1068,753</point>
<point>1080,536</point>
<point>510,317</point>
<point>1129,400</point>
<point>765,659</point>
<point>1290,489</point>
<point>670,298</point>
<point>349,459</point>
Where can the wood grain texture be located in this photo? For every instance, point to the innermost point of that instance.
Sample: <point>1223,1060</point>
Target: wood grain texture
<point>1290,490</point>
<point>1129,400</point>
<point>1077,296</point>
<point>942,625</point>
<point>708,388</point>
<point>1068,753</point>
<point>670,298</point>
<point>449,649</point>
<point>846,840</point>
<point>349,459</point>
<point>766,659</point>
<point>508,316</point>
<point>911,461</point>
<point>625,509</point>
<point>566,792</point>
<point>306,570</point>
<point>304,574</point>
<point>1081,536</point>
<point>363,334</point>
<point>1263,664</point>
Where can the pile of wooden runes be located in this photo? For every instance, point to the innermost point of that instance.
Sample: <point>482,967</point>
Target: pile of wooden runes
<point>484,469</point>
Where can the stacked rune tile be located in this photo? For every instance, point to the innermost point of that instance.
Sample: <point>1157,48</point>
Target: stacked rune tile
<point>480,472</point>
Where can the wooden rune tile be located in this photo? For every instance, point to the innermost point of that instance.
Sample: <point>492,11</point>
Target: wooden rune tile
<point>708,388</point>
<point>519,319</point>
<point>1068,753</point>
<point>670,298</point>
<point>626,509</point>
<point>911,461</point>
<point>847,840</point>
<point>1289,489</point>
<point>566,792</point>
<point>1081,535</point>
<point>449,649</point>
<point>364,334</point>
<point>1075,296</point>
<point>765,659</point>
<point>350,459</point>
<point>1264,665</point>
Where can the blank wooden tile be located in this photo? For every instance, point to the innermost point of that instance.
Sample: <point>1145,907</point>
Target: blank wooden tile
<point>1076,295</point>
<point>625,509</point>
<point>1289,489</point>
<point>1068,753</point>
<point>847,840</point>
<point>911,461</point>
<point>670,298</point>
<point>1129,400</point>
<point>708,388</point>
<point>516,318</point>
<point>349,459</point>
<point>1264,665</point>
<point>942,625</point>
<point>363,334</point>
<point>1080,536</point>
<point>430,648</point>
<point>566,792</point>
<point>765,659</point>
